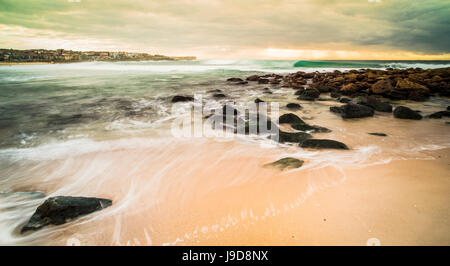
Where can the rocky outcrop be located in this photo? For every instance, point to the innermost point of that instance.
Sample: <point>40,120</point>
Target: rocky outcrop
<point>61,209</point>
<point>286,163</point>
<point>397,84</point>
<point>323,144</point>
<point>403,112</point>
<point>353,111</point>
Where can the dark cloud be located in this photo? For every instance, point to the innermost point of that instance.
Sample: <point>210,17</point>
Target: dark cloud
<point>404,25</point>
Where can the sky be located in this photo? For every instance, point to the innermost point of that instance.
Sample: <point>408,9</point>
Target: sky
<point>234,29</point>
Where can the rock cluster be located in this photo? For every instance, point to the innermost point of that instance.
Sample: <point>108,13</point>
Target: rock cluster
<point>397,84</point>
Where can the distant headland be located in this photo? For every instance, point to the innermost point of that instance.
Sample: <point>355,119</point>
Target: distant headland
<point>68,56</point>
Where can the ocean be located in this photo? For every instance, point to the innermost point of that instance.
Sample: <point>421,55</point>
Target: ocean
<point>102,129</point>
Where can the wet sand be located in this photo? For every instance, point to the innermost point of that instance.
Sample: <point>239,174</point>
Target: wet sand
<point>222,195</point>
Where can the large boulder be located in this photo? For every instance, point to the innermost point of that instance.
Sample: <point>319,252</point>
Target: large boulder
<point>61,209</point>
<point>353,111</point>
<point>403,112</point>
<point>286,163</point>
<point>381,86</point>
<point>323,144</point>
<point>350,88</point>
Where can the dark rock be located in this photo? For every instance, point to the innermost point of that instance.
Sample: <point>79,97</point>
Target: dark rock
<point>180,98</point>
<point>293,106</point>
<point>286,163</point>
<point>219,95</point>
<point>448,108</point>
<point>378,134</point>
<point>263,81</point>
<point>253,78</point>
<point>381,87</point>
<point>306,98</point>
<point>308,93</point>
<point>323,144</point>
<point>297,137</point>
<point>373,103</point>
<point>298,124</point>
<point>290,119</point>
<point>215,91</point>
<point>344,100</point>
<point>403,112</point>
<point>314,129</point>
<point>60,210</point>
<point>353,111</point>
<point>440,114</point>
<point>335,95</point>
<point>235,80</point>
<point>258,100</point>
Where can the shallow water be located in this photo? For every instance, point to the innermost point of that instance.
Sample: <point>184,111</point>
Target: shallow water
<point>103,130</point>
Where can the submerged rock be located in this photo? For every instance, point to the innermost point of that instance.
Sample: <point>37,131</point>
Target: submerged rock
<point>293,106</point>
<point>219,95</point>
<point>378,134</point>
<point>345,100</point>
<point>286,163</point>
<point>440,114</point>
<point>297,137</point>
<point>180,98</point>
<point>235,80</point>
<point>58,120</point>
<point>323,144</point>
<point>298,124</point>
<point>306,127</point>
<point>403,112</point>
<point>353,111</point>
<point>61,209</point>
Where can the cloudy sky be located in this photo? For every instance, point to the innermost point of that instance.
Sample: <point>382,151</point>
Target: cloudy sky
<point>230,29</point>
